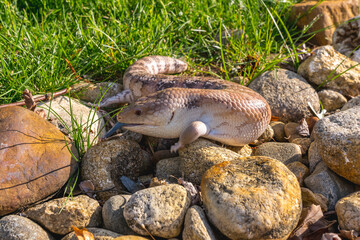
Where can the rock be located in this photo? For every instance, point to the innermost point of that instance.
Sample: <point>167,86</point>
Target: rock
<point>291,131</point>
<point>131,237</point>
<point>345,38</point>
<point>34,159</point>
<point>200,156</point>
<point>309,198</point>
<point>99,234</point>
<point>352,103</point>
<point>287,93</point>
<point>160,210</point>
<point>330,13</point>
<point>279,132</point>
<point>196,226</point>
<point>331,100</point>
<point>326,182</point>
<point>89,121</point>
<point>325,64</point>
<point>267,136</point>
<point>14,227</point>
<point>112,214</point>
<point>252,198</point>
<point>59,215</point>
<point>106,162</point>
<point>93,92</point>
<point>337,138</point>
<point>244,151</point>
<point>299,170</point>
<point>303,143</point>
<point>284,152</point>
<point>314,156</point>
<point>348,211</point>
<point>166,168</point>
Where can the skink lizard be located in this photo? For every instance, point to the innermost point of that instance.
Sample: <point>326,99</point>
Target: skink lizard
<point>170,106</point>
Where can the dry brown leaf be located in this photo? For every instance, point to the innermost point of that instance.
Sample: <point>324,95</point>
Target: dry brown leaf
<point>330,236</point>
<point>303,128</point>
<point>312,224</point>
<point>88,188</point>
<point>83,234</point>
<point>350,234</point>
<point>29,100</point>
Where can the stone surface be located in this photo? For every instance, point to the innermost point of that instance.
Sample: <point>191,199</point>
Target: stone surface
<point>337,138</point>
<point>14,227</point>
<point>309,198</point>
<point>161,210</point>
<point>331,100</point>
<point>299,170</point>
<point>166,168</point>
<point>291,131</point>
<point>346,36</point>
<point>196,226</point>
<point>279,132</point>
<point>287,93</point>
<point>351,103</point>
<point>34,159</point>
<point>314,156</point>
<point>267,136</point>
<point>200,156</point>
<point>252,198</point>
<point>330,13</point>
<point>325,64</point>
<point>326,182</point>
<point>69,109</point>
<point>131,237</point>
<point>112,214</point>
<point>59,215</point>
<point>99,234</point>
<point>348,212</point>
<point>284,152</point>
<point>93,92</point>
<point>106,162</point>
<point>303,143</point>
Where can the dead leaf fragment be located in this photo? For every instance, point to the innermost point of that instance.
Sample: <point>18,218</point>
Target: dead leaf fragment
<point>83,234</point>
<point>330,236</point>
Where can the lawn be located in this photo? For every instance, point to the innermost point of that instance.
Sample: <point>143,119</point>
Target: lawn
<point>41,39</point>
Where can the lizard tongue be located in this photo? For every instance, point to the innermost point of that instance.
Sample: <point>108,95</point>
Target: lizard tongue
<point>114,128</point>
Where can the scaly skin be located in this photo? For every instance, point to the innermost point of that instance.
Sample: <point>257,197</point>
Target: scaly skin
<point>170,106</point>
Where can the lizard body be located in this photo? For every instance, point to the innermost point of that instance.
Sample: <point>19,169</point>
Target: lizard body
<point>169,106</point>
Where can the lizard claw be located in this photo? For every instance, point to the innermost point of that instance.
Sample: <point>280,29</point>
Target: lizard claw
<point>174,148</point>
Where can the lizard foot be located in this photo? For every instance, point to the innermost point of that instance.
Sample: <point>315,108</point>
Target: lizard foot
<point>174,148</point>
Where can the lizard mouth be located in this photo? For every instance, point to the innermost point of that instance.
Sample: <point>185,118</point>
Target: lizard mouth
<point>117,126</point>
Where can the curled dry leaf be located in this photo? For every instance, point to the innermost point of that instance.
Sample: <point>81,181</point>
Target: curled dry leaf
<point>29,100</point>
<point>303,128</point>
<point>83,234</point>
<point>312,224</point>
<point>88,188</point>
<point>350,234</point>
<point>191,189</point>
<point>330,236</point>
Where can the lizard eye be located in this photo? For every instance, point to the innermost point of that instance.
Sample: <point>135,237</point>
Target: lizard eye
<point>138,112</point>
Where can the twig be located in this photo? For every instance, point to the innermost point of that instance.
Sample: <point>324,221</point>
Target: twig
<point>44,97</point>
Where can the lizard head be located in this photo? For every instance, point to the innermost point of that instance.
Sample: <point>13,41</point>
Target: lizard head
<point>148,115</point>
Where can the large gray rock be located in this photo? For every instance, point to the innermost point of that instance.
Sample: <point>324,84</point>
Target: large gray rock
<point>332,70</point>
<point>284,152</point>
<point>160,210</point>
<point>106,162</point>
<point>252,198</point>
<point>61,214</point>
<point>113,217</point>
<point>287,93</point>
<point>348,212</point>
<point>351,103</point>
<point>326,182</point>
<point>14,227</point>
<point>196,226</point>
<point>337,138</point>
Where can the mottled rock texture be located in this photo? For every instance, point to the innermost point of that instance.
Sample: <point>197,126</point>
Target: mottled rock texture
<point>348,212</point>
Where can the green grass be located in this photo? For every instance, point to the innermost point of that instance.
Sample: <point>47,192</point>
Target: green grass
<point>101,38</point>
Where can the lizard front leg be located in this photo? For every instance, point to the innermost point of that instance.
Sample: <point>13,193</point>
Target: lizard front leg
<point>191,133</point>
